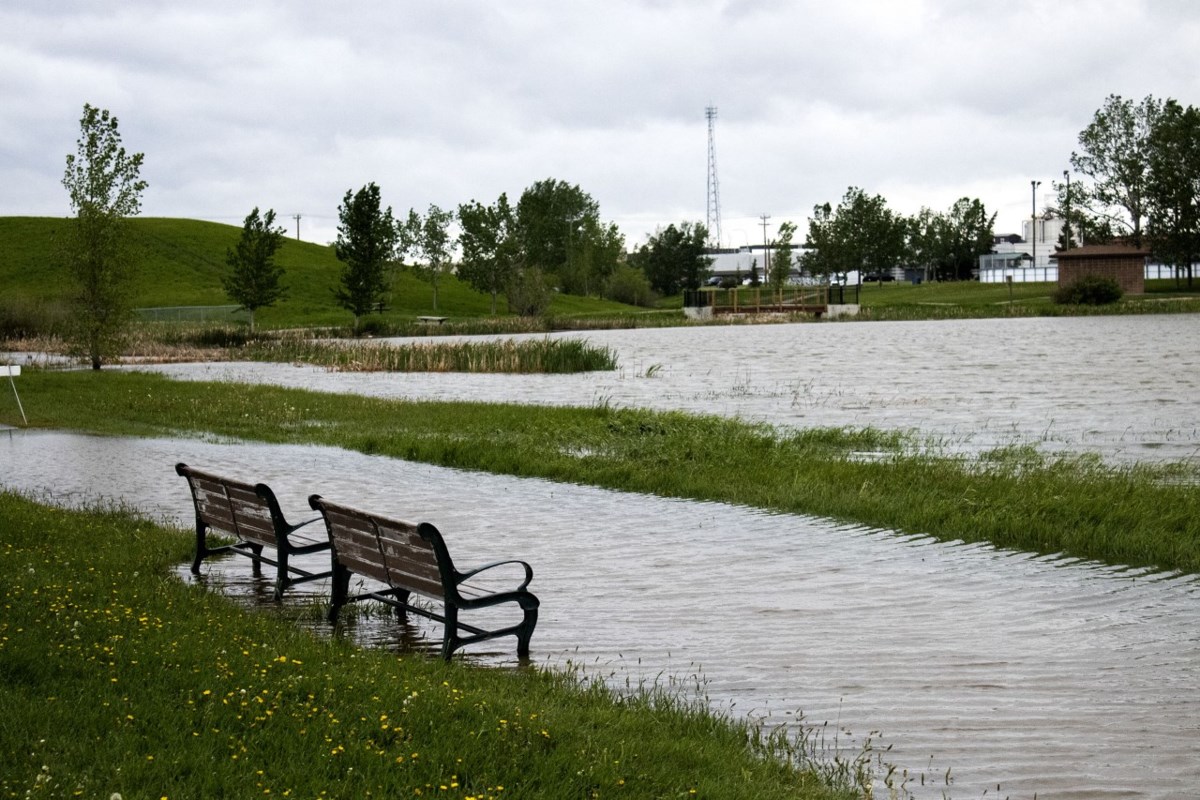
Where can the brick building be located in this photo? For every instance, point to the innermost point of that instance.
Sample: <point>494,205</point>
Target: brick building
<point>1124,263</point>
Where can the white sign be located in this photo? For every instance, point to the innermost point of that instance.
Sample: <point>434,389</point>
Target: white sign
<point>11,371</point>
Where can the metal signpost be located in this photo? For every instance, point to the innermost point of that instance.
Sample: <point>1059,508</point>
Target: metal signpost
<point>13,371</point>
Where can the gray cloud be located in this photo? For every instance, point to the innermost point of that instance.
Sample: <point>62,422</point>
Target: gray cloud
<point>288,105</point>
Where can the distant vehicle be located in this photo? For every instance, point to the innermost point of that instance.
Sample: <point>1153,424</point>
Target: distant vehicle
<point>715,280</point>
<point>874,277</point>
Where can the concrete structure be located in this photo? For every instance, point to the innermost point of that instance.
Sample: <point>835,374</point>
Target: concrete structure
<point>1124,263</point>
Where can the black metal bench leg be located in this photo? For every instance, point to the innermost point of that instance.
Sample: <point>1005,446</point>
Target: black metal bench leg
<point>257,550</point>
<point>339,589</point>
<point>201,546</point>
<point>281,578</point>
<point>402,607</point>
<point>450,635</point>
<point>526,632</point>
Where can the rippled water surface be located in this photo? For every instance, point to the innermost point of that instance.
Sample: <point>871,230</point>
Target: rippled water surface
<point>1125,387</point>
<point>1064,679</point>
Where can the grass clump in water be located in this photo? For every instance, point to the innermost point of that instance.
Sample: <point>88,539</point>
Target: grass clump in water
<point>555,356</point>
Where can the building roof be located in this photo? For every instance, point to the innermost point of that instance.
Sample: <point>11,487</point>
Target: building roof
<point>1102,251</point>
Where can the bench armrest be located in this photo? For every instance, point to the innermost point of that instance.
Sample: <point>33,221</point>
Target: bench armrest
<point>462,576</point>
<point>300,525</point>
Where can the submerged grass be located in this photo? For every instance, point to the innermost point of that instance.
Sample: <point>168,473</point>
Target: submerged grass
<point>1139,515</point>
<point>117,679</point>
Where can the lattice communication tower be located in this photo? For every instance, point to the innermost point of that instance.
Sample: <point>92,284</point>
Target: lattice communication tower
<point>712,219</point>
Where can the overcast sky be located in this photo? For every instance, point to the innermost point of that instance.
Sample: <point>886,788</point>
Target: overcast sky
<point>287,105</point>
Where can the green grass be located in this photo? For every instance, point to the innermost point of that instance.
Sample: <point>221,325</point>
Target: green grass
<point>972,300</point>
<point>182,262</point>
<point>1139,515</point>
<point>116,678</point>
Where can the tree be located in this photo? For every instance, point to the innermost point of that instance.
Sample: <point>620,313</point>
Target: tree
<point>562,235</point>
<point>1114,154</point>
<point>105,188</point>
<point>674,259</point>
<point>253,280</point>
<point>429,239</point>
<point>366,244</point>
<point>781,261</point>
<point>862,235</point>
<point>593,252</point>
<point>968,233</point>
<point>1173,187</point>
<point>821,258</point>
<point>491,246</point>
<point>926,241</point>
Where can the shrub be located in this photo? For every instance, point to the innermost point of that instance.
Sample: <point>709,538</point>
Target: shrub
<point>27,319</point>
<point>528,292</point>
<point>1090,290</point>
<point>629,285</point>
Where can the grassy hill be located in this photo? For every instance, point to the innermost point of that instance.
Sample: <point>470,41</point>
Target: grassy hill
<point>182,262</point>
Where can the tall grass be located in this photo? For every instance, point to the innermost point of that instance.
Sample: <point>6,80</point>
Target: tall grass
<point>509,356</point>
<point>118,679</point>
<point>1137,515</point>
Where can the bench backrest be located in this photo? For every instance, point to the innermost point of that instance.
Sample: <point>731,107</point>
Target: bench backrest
<point>240,509</point>
<point>387,550</point>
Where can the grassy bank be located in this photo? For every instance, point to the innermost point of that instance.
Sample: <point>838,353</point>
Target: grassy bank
<point>1137,515</point>
<point>117,678</point>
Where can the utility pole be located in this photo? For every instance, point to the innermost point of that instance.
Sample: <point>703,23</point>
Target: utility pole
<point>1067,209</point>
<point>1033,224</point>
<point>766,250</point>
<point>297,218</point>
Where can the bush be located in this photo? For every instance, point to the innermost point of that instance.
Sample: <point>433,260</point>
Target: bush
<point>1090,290</point>
<point>629,285</point>
<point>528,293</point>
<point>27,319</point>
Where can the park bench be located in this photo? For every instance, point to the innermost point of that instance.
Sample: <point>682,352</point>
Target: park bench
<point>251,514</point>
<point>407,559</point>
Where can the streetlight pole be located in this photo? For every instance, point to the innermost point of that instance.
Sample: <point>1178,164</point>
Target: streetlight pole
<point>1067,208</point>
<point>1033,224</point>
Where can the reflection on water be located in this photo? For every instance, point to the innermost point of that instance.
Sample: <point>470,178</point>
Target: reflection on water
<point>1066,679</point>
<point>1124,387</point>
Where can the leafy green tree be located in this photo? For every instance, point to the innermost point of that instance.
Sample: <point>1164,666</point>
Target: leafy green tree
<point>562,235</point>
<point>821,258</point>
<point>863,234</point>
<point>254,279</point>
<point>968,233</point>
<point>428,238</point>
<point>1115,155</point>
<point>926,241</point>
<point>366,245</point>
<point>491,247</point>
<point>593,252</point>
<point>105,188</point>
<point>674,259</point>
<point>1173,187</point>
<point>782,259</point>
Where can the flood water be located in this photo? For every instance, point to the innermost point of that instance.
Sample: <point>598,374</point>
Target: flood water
<point>1032,674</point>
<point>1123,387</point>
